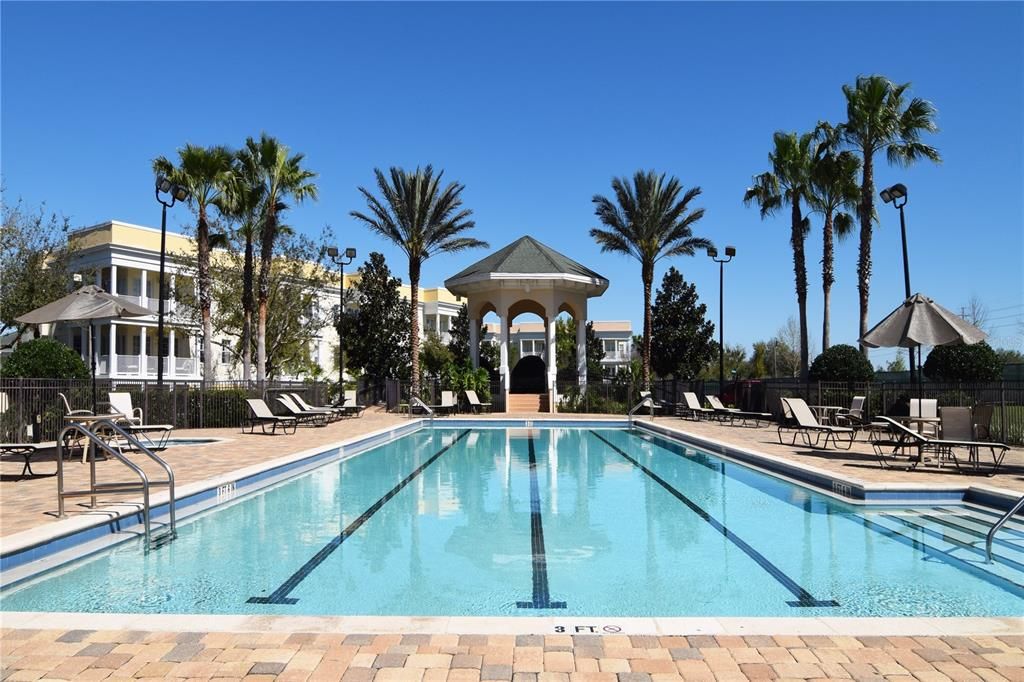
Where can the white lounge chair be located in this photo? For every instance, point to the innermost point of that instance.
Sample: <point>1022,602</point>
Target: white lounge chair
<point>351,405</point>
<point>734,413</point>
<point>132,421</point>
<point>806,424</point>
<point>474,402</point>
<point>331,412</point>
<point>314,417</point>
<point>259,413</point>
<point>691,407</point>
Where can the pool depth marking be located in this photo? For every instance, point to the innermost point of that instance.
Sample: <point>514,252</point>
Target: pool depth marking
<point>803,597</point>
<point>541,593</point>
<point>280,595</point>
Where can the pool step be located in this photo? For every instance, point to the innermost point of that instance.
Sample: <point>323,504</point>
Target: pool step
<point>160,537</point>
<point>946,540</point>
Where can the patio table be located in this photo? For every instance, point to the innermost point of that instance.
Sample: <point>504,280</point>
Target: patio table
<point>826,414</point>
<point>87,420</point>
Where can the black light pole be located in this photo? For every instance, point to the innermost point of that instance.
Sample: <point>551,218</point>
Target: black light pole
<point>350,254</point>
<point>730,252</point>
<point>176,193</point>
<point>892,195</point>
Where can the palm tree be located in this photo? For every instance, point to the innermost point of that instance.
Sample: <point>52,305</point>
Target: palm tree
<point>833,188</point>
<point>649,221</point>
<point>279,177</point>
<point>206,172</point>
<point>789,182</point>
<point>422,219</point>
<point>878,117</point>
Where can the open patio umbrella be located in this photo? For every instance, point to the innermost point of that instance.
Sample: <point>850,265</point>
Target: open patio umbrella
<point>920,321</point>
<point>85,305</point>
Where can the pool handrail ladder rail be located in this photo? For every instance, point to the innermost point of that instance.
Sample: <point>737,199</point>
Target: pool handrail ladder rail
<point>647,400</point>
<point>94,442</point>
<point>999,524</point>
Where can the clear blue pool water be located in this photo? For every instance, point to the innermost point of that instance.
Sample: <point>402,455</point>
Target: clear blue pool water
<point>547,522</point>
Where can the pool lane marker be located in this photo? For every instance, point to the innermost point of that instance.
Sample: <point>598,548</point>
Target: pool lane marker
<point>803,597</point>
<point>541,593</point>
<point>280,595</point>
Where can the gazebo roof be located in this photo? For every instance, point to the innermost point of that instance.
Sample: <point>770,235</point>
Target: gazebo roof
<point>526,256</point>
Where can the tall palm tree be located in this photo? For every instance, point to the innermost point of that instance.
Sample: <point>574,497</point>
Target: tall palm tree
<point>648,220</point>
<point>833,192</point>
<point>422,218</point>
<point>879,117</point>
<point>788,182</point>
<point>280,178</point>
<point>207,173</point>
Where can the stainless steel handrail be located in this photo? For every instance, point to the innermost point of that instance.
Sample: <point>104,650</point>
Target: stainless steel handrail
<point>999,524</point>
<point>422,405</point>
<point>646,400</point>
<point>94,442</point>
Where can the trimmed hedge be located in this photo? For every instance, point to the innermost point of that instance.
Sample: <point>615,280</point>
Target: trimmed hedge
<point>841,363</point>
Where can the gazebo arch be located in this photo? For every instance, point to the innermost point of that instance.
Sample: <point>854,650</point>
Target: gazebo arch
<point>528,277</point>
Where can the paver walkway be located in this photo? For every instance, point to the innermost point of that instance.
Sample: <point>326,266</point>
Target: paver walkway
<point>297,657</point>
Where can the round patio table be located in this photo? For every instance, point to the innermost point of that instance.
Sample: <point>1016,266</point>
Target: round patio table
<point>826,414</point>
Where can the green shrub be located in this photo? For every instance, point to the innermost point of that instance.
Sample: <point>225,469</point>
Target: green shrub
<point>217,408</point>
<point>841,363</point>
<point>44,358</point>
<point>977,362</point>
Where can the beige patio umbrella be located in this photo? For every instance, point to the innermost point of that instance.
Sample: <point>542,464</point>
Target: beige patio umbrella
<point>920,321</point>
<point>85,305</point>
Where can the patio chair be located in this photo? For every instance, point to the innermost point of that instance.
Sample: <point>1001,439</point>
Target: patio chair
<point>351,405</point>
<point>259,413</point>
<point>68,412</point>
<point>691,409</point>
<point>982,417</point>
<point>806,424</point>
<point>926,407</point>
<point>656,405</point>
<point>332,413</point>
<point>920,444</point>
<point>474,402</point>
<point>132,422</point>
<point>734,413</point>
<point>312,417</point>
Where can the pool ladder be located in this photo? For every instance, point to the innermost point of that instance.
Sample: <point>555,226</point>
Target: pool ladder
<point>648,401</point>
<point>416,402</point>
<point>94,443</point>
<point>999,524</point>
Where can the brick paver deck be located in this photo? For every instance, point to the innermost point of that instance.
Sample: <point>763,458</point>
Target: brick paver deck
<point>299,657</point>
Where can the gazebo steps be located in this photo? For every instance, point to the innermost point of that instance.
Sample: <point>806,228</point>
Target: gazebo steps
<point>528,402</point>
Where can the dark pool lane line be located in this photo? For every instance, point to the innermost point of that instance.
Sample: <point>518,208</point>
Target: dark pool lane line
<point>280,595</point>
<point>803,597</point>
<point>541,591</point>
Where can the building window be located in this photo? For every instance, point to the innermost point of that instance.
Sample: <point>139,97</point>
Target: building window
<point>532,347</point>
<point>225,354</point>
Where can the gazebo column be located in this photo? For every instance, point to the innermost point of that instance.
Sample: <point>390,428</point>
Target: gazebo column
<point>581,352</point>
<point>552,362</point>
<point>474,342</point>
<point>503,368</point>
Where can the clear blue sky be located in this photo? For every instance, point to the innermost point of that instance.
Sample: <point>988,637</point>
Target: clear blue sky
<point>535,107</point>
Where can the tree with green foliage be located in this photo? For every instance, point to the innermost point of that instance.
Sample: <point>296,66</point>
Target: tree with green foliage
<point>565,350</point>
<point>434,355</point>
<point>207,173</point>
<point>897,364</point>
<point>841,362</point>
<point>376,338</point>
<point>681,334</point>
<point>44,358</point>
<point>281,182</point>
<point>879,118</point>
<point>459,333</point>
<point>833,193</point>
<point>650,219</point>
<point>1008,356</point>
<point>736,364</point>
<point>789,182</point>
<point>960,362</point>
<point>35,263</point>
<point>422,218</point>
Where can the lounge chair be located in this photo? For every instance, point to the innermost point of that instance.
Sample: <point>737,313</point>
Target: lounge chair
<point>351,405</point>
<point>691,409</point>
<point>903,438</point>
<point>25,450</point>
<point>734,413</point>
<point>474,402</point>
<point>314,417</point>
<point>132,422</point>
<point>806,424</point>
<point>259,413</point>
<point>332,413</point>
<point>448,404</point>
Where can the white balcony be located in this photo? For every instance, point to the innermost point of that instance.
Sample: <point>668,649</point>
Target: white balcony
<point>144,366</point>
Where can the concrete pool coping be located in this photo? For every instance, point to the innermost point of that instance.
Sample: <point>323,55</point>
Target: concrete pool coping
<point>262,475</point>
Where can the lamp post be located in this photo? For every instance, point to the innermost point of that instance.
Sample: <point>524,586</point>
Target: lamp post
<point>176,193</point>
<point>730,252</point>
<point>892,195</point>
<point>335,256</point>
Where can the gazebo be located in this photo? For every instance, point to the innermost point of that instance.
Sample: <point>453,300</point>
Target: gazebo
<point>528,277</point>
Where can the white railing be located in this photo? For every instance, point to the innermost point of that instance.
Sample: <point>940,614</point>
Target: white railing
<point>145,366</point>
<point>127,364</point>
<point>184,366</point>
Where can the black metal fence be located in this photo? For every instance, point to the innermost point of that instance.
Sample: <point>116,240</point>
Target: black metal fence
<point>37,403</point>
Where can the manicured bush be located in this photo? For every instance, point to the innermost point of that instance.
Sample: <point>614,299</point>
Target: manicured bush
<point>977,362</point>
<point>841,363</point>
<point>44,358</point>
<point>217,407</point>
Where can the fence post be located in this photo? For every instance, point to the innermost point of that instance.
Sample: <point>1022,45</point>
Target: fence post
<point>1002,409</point>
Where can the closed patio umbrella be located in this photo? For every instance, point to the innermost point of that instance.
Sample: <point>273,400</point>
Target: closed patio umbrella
<point>920,321</point>
<point>85,305</point>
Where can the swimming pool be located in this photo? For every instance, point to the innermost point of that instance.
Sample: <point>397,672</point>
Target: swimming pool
<point>548,521</point>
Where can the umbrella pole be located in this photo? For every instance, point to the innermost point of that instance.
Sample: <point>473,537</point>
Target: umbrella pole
<point>920,389</point>
<point>92,362</point>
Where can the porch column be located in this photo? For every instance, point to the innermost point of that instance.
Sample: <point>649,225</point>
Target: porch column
<point>113,280</point>
<point>171,354</point>
<point>143,359</point>
<point>144,286</point>
<point>112,355</point>
<point>474,342</point>
<point>581,352</point>
<point>552,363</point>
<point>83,334</point>
<point>503,368</point>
